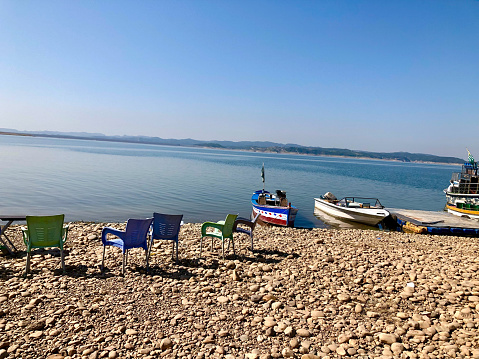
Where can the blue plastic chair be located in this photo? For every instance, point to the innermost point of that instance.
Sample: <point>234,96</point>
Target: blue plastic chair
<point>166,227</point>
<point>135,235</point>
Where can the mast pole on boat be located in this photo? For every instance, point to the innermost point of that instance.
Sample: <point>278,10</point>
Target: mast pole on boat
<point>262,175</point>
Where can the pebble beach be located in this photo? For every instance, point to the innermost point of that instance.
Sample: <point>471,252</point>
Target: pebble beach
<point>302,293</point>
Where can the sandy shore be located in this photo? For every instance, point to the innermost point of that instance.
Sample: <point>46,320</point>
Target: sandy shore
<point>301,294</point>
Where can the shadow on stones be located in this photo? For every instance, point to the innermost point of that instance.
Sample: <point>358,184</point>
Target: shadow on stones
<point>7,273</point>
<point>53,251</point>
<point>199,263</point>
<point>268,252</point>
<point>179,274</point>
<point>264,256</point>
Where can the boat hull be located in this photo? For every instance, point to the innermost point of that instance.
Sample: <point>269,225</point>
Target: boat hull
<point>281,216</point>
<point>369,216</point>
<point>462,204</point>
<point>461,212</point>
<point>340,223</point>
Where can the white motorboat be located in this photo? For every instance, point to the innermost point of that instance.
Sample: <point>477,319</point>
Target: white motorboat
<point>358,209</point>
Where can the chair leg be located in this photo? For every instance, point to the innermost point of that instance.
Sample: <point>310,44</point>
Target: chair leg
<point>149,248</point>
<point>251,242</point>
<point>148,253</point>
<point>103,260</point>
<point>125,255</point>
<point>62,255</point>
<point>223,247</point>
<point>27,266</point>
<point>147,263</point>
<point>201,246</point>
<point>177,242</point>
<point>172,249</point>
<point>233,245</point>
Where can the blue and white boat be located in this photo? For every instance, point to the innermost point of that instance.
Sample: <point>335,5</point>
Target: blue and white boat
<point>273,208</point>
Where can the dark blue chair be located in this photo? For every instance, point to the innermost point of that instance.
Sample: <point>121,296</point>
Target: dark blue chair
<point>166,227</point>
<point>135,235</point>
<point>246,223</point>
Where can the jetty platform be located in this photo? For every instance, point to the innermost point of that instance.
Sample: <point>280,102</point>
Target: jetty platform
<point>432,222</point>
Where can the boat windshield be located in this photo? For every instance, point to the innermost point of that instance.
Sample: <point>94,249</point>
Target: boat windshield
<point>360,202</point>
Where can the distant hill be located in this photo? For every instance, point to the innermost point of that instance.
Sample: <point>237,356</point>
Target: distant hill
<point>256,146</point>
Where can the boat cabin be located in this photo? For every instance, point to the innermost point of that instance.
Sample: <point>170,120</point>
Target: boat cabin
<point>277,199</point>
<point>466,181</point>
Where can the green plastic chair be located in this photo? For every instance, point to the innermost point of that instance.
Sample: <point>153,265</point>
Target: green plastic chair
<point>44,232</point>
<point>222,230</point>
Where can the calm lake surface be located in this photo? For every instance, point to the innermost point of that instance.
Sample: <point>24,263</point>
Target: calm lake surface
<point>111,182</point>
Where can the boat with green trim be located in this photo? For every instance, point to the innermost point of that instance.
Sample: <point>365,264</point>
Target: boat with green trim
<point>462,195</point>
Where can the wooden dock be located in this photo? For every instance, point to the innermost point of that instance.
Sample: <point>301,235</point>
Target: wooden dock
<point>434,222</point>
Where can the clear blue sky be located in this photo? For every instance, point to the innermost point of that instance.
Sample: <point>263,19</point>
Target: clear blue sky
<point>367,75</point>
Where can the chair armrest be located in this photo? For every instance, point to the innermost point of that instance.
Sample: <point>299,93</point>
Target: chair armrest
<point>245,222</point>
<point>206,225</point>
<point>65,232</point>
<point>25,235</point>
<point>110,230</point>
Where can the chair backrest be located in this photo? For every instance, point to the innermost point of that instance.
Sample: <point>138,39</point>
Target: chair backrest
<point>255,220</point>
<point>166,226</point>
<point>137,231</point>
<point>249,223</point>
<point>45,231</point>
<point>229,223</point>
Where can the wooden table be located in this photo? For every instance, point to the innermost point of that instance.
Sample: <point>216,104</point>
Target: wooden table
<point>9,219</point>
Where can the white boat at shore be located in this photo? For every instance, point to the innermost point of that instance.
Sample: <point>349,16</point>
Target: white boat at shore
<point>358,209</point>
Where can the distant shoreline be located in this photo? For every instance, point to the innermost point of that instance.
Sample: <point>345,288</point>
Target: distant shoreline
<point>280,150</point>
<point>332,156</point>
<point>16,134</point>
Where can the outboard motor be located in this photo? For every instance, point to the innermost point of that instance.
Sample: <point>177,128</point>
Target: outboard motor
<point>281,194</point>
<point>330,197</point>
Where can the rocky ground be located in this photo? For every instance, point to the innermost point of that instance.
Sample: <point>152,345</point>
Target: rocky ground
<point>302,294</point>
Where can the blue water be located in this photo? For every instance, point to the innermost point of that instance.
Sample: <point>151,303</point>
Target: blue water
<point>106,181</point>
